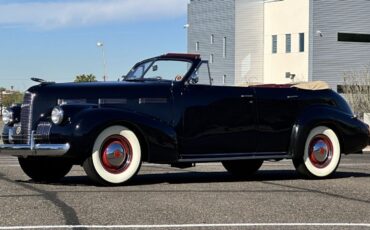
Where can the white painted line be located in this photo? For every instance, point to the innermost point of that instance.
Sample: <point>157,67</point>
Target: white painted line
<point>191,226</point>
<point>359,164</point>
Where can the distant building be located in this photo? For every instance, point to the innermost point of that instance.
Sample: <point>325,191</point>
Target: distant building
<point>273,41</point>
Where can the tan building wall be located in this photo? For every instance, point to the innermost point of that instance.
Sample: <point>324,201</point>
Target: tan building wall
<point>249,41</point>
<point>281,18</point>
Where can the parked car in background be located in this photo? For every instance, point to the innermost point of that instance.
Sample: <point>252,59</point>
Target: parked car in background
<point>167,111</point>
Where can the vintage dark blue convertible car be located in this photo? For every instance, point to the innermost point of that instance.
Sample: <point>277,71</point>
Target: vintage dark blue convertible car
<point>167,111</point>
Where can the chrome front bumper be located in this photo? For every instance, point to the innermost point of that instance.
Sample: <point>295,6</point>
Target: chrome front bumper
<point>32,149</point>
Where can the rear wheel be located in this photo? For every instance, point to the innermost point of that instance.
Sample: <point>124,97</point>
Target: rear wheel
<point>242,168</point>
<point>321,154</point>
<point>116,156</point>
<point>42,169</point>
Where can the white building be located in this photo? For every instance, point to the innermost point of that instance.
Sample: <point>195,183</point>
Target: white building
<point>272,41</point>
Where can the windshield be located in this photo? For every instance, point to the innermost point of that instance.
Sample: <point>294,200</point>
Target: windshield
<point>171,70</point>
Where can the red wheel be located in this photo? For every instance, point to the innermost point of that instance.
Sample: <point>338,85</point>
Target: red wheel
<point>321,151</point>
<point>116,154</point>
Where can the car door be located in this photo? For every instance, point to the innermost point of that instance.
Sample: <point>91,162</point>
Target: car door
<point>215,120</point>
<point>277,112</point>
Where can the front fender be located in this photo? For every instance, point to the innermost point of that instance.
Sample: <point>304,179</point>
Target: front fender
<point>159,139</point>
<point>352,133</point>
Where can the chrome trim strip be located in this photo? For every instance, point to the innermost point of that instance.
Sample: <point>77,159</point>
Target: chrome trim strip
<point>153,100</point>
<point>292,96</point>
<point>72,101</point>
<point>247,96</point>
<point>112,101</point>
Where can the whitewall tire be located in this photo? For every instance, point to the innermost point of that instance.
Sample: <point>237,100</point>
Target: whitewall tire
<point>116,156</point>
<point>321,154</point>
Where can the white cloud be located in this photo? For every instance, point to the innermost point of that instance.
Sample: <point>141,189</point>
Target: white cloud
<point>54,14</point>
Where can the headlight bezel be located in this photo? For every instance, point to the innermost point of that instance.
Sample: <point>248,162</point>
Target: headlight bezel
<point>8,116</point>
<point>57,115</point>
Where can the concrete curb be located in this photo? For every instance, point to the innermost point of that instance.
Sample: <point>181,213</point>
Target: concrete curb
<point>366,150</point>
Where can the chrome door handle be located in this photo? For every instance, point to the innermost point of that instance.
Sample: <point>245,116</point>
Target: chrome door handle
<point>247,96</point>
<point>292,96</point>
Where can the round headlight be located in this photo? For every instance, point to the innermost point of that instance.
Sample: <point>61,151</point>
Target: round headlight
<point>57,115</point>
<point>8,117</point>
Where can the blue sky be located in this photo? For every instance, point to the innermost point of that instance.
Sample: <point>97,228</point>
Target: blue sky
<point>56,39</point>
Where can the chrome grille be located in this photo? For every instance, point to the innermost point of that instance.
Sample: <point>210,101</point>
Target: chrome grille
<point>43,131</point>
<point>26,117</point>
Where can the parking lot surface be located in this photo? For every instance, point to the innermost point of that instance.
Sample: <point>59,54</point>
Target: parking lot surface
<point>203,197</point>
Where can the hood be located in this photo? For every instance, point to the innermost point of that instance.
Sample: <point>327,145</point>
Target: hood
<point>47,96</point>
<point>91,92</point>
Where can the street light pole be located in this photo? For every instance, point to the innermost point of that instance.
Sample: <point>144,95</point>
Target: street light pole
<point>2,102</point>
<point>101,45</point>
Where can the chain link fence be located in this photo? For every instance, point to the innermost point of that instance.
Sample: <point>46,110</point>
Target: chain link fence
<point>357,91</point>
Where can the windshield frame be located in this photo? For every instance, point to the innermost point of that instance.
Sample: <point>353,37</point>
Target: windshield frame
<point>154,60</point>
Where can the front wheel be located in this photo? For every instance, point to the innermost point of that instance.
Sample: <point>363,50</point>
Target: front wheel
<point>43,169</point>
<point>242,168</point>
<point>116,156</point>
<point>321,154</point>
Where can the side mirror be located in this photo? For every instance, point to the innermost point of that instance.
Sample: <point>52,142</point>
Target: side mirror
<point>155,68</point>
<point>194,79</point>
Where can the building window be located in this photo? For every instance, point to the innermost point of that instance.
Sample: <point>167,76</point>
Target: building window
<point>224,79</point>
<point>197,46</point>
<point>224,47</point>
<point>212,39</point>
<point>301,42</point>
<point>288,43</point>
<point>274,44</point>
<point>211,58</point>
<point>350,37</point>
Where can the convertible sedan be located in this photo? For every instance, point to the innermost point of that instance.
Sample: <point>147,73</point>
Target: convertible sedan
<point>167,111</point>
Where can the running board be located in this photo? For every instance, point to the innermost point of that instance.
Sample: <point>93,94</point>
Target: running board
<point>233,157</point>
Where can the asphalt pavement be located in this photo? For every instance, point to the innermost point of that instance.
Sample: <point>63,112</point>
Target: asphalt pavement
<point>203,197</point>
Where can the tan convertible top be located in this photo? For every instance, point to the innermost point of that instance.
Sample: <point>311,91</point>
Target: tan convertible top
<point>313,85</point>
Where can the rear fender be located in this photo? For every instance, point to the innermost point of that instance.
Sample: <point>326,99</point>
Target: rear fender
<point>351,132</point>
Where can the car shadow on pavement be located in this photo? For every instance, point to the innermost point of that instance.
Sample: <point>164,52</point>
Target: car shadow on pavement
<point>191,177</point>
<point>224,177</point>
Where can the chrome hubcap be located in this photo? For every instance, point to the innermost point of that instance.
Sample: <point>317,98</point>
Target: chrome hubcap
<point>321,151</point>
<point>116,154</point>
